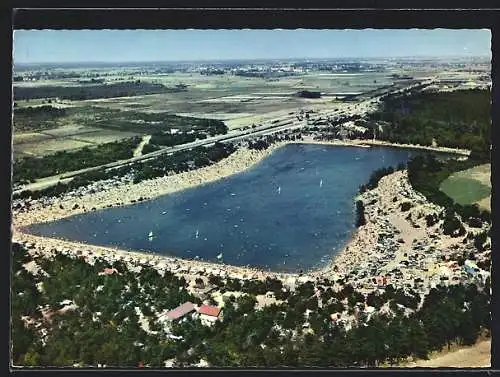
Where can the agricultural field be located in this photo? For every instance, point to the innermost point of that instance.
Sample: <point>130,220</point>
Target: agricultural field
<point>46,125</point>
<point>470,186</point>
<point>243,101</point>
<point>75,134</point>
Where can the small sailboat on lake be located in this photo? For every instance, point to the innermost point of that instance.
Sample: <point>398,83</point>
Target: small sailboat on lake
<point>150,236</point>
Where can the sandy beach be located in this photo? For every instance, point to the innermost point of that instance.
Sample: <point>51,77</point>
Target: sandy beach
<point>353,254</point>
<point>124,194</point>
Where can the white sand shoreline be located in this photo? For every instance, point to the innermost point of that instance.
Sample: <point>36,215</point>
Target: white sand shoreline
<point>239,161</point>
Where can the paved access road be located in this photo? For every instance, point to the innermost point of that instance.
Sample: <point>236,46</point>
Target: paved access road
<point>288,121</point>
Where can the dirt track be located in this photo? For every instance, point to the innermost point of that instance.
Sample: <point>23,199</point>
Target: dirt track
<point>477,356</point>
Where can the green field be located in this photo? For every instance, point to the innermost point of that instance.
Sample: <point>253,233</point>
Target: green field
<point>469,186</point>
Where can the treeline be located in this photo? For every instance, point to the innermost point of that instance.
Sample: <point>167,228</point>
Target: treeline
<point>200,130</point>
<point>209,72</point>
<point>156,122</point>
<point>261,74</point>
<point>119,89</point>
<point>91,81</point>
<point>377,175</point>
<point>80,180</point>
<point>47,75</point>
<point>308,94</point>
<point>49,111</point>
<point>426,173</point>
<point>182,161</point>
<point>148,148</point>
<point>104,328</point>
<point>170,140</point>
<point>37,117</point>
<point>29,169</point>
<point>264,142</point>
<point>459,119</point>
<point>177,162</point>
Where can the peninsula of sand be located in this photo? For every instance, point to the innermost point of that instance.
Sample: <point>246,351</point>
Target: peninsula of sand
<point>354,254</point>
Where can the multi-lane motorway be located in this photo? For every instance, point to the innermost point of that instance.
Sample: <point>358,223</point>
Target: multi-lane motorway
<point>288,122</point>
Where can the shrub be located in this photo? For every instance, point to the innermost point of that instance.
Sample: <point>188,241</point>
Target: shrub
<point>450,225</point>
<point>475,222</point>
<point>360,213</point>
<point>406,206</point>
<point>430,220</point>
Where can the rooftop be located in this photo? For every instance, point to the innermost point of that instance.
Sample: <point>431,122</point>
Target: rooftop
<point>211,311</point>
<point>180,311</point>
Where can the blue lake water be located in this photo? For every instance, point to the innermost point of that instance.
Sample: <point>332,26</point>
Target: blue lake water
<point>290,212</point>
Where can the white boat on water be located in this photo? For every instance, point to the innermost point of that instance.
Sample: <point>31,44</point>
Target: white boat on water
<point>150,236</point>
<point>279,189</point>
<point>219,256</point>
<point>197,234</point>
<point>321,183</point>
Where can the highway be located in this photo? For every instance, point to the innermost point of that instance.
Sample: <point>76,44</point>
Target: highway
<point>229,137</point>
<point>289,121</point>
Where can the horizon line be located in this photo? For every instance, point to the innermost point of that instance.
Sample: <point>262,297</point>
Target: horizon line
<point>252,59</point>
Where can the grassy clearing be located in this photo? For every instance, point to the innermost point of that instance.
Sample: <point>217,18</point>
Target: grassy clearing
<point>469,186</point>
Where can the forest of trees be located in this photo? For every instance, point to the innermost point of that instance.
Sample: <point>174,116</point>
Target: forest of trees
<point>37,117</point>
<point>153,123</point>
<point>170,140</point>
<point>49,116</point>
<point>247,337</point>
<point>178,162</point>
<point>119,89</point>
<point>459,119</point>
<point>202,129</point>
<point>28,169</point>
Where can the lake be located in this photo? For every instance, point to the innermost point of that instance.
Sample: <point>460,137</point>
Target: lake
<point>292,211</point>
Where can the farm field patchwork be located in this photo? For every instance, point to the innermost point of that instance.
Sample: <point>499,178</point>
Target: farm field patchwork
<point>48,146</point>
<point>64,139</point>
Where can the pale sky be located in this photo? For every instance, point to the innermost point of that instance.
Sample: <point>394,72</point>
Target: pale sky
<point>64,46</point>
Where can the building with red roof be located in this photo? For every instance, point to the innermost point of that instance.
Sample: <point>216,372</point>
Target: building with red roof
<point>208,310</point>
<point>209,314</point>
<point>179,312</point>
<point>109,271</point>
